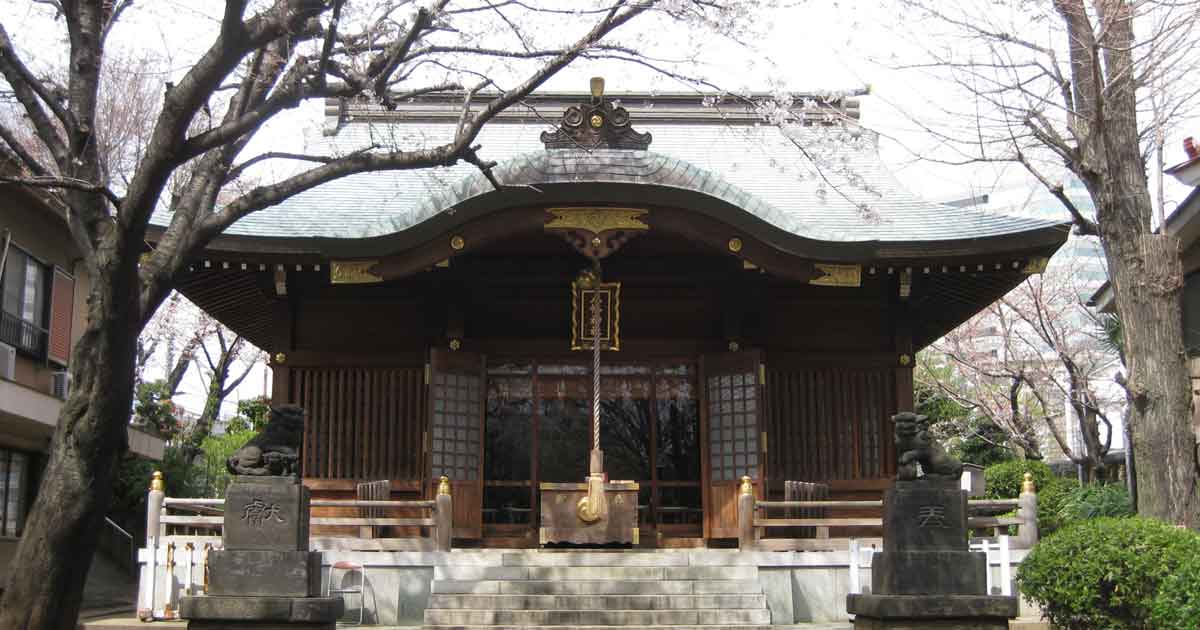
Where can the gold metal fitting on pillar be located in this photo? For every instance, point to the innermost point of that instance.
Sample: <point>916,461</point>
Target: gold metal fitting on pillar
<point>168,609</point>
<point>204,560</point>
<point>157,484</point>
<point>747,486</point>
<point>444,486</point>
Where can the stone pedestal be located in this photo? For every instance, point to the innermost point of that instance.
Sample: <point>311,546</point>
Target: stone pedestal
<point>265,577</point>
<point>926,577</point>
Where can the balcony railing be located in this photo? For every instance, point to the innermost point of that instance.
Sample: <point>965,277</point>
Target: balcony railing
<point>25,336</point>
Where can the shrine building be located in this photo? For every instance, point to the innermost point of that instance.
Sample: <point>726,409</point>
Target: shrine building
<point>762,292</point>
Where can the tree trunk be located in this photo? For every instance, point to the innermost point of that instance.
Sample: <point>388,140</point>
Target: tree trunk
<point>45,582</point>
<point>1147,278</point>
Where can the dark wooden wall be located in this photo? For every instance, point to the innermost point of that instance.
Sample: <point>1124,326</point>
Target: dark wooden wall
<point>362,423</point>
<point>827,423</point>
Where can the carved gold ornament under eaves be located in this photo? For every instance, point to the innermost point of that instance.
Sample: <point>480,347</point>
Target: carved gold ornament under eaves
<point>1036,264</point>
<point>597,220</point>
<point>838,275</point>
<point>353,272</point>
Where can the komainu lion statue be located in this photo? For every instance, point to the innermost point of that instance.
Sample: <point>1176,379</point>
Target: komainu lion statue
<point>916,445</point>
<point>275,450</point>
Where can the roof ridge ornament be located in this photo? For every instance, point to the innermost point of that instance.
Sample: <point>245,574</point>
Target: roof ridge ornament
<point>596,124</point>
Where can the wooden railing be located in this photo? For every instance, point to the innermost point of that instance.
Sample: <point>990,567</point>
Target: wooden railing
<point>754,524</point>
<point>201,520</point>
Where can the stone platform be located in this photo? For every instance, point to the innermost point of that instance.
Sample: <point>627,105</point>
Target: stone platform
<point>236,613</point>
<point>948,612</point>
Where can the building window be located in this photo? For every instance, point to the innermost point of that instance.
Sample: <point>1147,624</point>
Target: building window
<point>1191,314</point>
<point>23,311</point>
<point>14,475</point>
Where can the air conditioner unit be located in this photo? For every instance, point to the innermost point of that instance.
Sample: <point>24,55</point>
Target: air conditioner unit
<point>8,361</point>
<point>60,385</point>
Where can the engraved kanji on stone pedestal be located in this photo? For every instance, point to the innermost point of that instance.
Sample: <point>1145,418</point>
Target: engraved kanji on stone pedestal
<point>266,513</point>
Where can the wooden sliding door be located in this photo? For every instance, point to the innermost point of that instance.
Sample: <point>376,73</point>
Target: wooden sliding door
<point>456,411</point>
<point>732,409</point>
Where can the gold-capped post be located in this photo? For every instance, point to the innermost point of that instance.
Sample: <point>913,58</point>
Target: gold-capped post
<point>1028,487</point>
<point>747,486</point>
<point>157,483</point>
<point>444,486</point>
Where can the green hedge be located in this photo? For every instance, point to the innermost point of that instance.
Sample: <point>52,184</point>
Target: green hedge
<point>1103,573</point>
<point>1004,479</point>
<point>1177,604</point>
<point>1004,482</point>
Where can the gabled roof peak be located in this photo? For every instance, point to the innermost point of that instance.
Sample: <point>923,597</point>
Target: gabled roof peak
<point>642,107</point>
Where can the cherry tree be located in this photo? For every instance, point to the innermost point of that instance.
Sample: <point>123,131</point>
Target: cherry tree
<point>1036,364</point>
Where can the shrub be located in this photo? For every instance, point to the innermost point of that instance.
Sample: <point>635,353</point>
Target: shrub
<point>1004,482</point>
<point>1004,479</point>
<point>1095,500</point>
<point>1103,573</point>
<point>1051,498</point>
<point>217,449</point>
<point>1177,605</point>
<point>132,482</point>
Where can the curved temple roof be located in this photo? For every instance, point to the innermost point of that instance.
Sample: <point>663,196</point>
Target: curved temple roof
<point>845,196</point>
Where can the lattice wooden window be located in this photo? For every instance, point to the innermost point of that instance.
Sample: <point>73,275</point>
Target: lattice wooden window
<point>456,435</point>
<point>732,425</point>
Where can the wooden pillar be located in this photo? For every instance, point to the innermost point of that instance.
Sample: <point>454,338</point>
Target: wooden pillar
<point>903,371</point>
<point>281,379</point>
<point>277,357</point>
<point>154,503</point>
<point>1027,509</point>
<point>905,358</point>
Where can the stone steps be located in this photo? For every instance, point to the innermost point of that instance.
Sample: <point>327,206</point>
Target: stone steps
<point>609,617</point>
<point>596,587</point>
<point>542,573</point>
<point>577,627</point>
<point>586,590</point>
<point>596,602</point>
